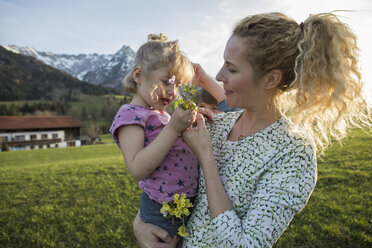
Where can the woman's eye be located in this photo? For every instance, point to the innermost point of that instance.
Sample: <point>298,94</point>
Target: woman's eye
<point>231,70</point>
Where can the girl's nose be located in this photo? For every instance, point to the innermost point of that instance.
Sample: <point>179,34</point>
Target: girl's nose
<point>171,90</point>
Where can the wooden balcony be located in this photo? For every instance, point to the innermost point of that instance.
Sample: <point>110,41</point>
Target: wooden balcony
<point>32,142</point>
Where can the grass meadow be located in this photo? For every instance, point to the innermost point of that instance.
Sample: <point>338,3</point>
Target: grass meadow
<point>84,197</point>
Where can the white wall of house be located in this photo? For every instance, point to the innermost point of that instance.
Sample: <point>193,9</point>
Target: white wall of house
<point>38,135</point>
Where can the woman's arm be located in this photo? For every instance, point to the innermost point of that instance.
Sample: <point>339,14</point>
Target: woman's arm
<point>152,236</point>
<point>142,161</point>
<point>282,191</point>
<point>199,142</point>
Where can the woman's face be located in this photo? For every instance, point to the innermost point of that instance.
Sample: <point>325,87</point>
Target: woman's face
<point>242,88</point>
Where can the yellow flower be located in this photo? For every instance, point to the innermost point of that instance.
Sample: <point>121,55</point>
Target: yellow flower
<point>186,212</point>
<point>176,196</point>
<point>177,208</point>
<point>182,231</point>
<point>165,209</point>
<point>165,206</point>
<point>178,213</point>
<point>189,204</point>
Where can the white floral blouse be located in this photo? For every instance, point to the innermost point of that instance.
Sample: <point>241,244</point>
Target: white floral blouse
<point>268,177</point>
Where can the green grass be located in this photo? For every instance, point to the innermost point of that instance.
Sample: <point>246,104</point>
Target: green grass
<point>106,138</point>
<point>339,212</point>
<point>84,197</point>
<point>67,197</point>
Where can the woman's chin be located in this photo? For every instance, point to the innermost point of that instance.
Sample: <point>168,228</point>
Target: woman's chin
<point>230,103</point>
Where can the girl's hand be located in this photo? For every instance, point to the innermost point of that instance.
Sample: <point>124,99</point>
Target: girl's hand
<point>202,79</point>
<point>152,236</point>
<point>182,119</point>
<point>207,114</point>
<point>198,139</point>
<point>200,76</point>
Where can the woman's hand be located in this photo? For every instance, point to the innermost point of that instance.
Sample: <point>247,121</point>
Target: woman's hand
<point>152,236</point>
<point>198,138</point>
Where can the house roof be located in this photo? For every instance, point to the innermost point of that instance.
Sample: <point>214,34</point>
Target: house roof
<point>37,122</point>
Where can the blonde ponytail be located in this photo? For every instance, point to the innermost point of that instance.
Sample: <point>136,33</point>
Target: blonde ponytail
<point>328,99</point>
<point>321,87</point>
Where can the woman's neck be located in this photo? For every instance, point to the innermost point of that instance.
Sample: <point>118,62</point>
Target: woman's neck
<point>256,121</point>
<point>253,121</point>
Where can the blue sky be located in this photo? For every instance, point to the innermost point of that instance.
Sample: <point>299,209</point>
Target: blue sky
<point>201,26</point>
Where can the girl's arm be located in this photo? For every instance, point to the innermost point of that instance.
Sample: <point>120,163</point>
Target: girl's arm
<point>203,80</point>
<point>218,201</point>
<point>142,161</point>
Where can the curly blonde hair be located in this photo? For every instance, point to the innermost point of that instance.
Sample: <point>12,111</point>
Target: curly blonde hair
<point>321,87</point>
<point>158,52</point>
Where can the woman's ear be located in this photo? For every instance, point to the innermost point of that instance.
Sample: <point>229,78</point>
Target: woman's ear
<point>137,74</point>
<point>273,79</point>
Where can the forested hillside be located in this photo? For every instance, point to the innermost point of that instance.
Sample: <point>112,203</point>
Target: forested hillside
<point>25,78</point>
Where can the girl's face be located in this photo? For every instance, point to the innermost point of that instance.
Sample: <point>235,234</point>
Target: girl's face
<point>242,88</point>
<point>155,90</point>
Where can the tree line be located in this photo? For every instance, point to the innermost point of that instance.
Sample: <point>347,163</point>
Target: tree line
<point>96,120</point>
<point>14,109</point>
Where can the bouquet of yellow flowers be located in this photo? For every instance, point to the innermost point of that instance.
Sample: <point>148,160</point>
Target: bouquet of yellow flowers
<point>178,208</point>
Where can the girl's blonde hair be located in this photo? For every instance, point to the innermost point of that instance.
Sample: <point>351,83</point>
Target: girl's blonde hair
<point>156,53</point>
<point>321,87</point>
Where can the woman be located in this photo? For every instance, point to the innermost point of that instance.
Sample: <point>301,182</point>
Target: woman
<point>299,86</point>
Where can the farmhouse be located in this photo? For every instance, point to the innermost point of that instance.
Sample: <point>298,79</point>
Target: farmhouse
<point>39,132</point>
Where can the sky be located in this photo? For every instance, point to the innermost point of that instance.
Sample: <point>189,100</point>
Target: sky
<point>201,26</point>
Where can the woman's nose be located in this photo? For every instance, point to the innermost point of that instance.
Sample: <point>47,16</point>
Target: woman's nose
<point>219,76</point>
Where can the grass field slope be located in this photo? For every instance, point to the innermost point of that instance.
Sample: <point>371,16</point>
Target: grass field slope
<point>84,197</point>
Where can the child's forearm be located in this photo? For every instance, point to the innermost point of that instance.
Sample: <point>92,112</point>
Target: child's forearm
<point>214,88</point>
<point>147,159</point>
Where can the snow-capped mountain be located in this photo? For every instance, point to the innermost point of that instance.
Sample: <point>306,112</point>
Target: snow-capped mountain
<point>113,71</point>
<point>103,69</point>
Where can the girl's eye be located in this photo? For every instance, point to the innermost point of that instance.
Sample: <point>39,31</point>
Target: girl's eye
<point>231,70</point>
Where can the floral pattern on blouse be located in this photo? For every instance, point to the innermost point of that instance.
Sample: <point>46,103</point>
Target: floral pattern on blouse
<point>268,176</point>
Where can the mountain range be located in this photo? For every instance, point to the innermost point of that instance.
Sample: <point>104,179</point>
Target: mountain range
<point>26,78</point>
<point>101,69</point>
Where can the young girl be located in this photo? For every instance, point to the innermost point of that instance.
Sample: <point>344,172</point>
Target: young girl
<point>149,138</point>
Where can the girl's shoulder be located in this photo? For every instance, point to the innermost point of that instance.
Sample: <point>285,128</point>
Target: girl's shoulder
<point>130,114</point>
<point>133,108</point>
<point>127,110</point>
